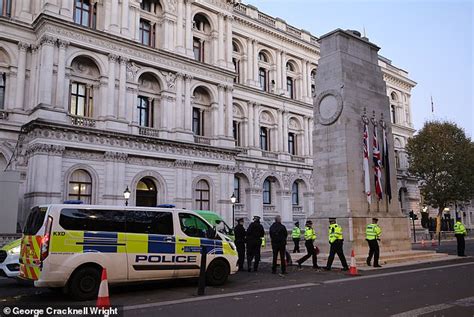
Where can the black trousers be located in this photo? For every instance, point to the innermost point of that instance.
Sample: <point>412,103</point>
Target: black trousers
<point>336,248</point>
<point>461,244</point>
<point>309,244</point>
<point>253,252</point>
<point>374,251</point>
<point>296,241</point>
<point>279,249</point>
<point>241,253</point>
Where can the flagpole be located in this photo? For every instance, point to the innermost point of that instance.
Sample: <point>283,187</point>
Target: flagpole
<point>365,163</point>
<point>385,160</point>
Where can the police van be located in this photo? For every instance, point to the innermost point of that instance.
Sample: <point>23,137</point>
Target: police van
<point>68,245</point>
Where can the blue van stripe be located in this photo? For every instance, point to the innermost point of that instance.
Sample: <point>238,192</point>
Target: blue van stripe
<point>100,248</point>
<point>101,234</point>
<point>158,244</point>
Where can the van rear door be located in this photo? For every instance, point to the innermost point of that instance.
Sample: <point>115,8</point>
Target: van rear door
<point>30,253</point>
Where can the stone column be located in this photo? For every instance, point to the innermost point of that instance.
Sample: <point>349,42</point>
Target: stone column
<point>221,117</point>
<point>215,120</point>
<point>215,48</point>
<point>285,129</point>
<point>281,145</point>
<point>61,86</point>
<point>229,111</point>
<point>45,84</point>
<point>286,207</point>
<point>20,76</point>
<point>278,72</point>
<point>137,24</point>
<point>189,32</point>
<point>256,201</point>
<point>32,80</point>
<point>111,110</point>
<point>114,16</point>
<point>179,102</point>
<point>250,61</point>
<point>220,23</point>
<point>122,102</point>
<point>304,82</point>
<point>179,29</point>
<point>167,32</point>
<point>133,88</point>
<point>251,125</point>
<point>308,82</point>
<point>256,119</point>
<point>167,102</point>
<point>306,136</point>
<point>300,87</point>
<point>229,21</point>
<point>188,108</point>
<point>283,72</point>
<point>124,28</point>
<point>311,132</point>
<point>255,62</point>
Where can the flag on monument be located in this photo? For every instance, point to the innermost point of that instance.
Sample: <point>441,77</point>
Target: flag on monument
<point>377,165</point>
<point>366,164</point>
<point>386,165</point>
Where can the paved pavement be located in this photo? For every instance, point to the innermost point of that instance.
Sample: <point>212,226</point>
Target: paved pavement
<point>429,289</point>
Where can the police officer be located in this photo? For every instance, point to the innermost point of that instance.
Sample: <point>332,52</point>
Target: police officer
<point>278,235</point>
<point>296,236</point>
<point>309,237</point>
<point>372,235</point>
<point>460,231</point>
<point>239,232</point>
<point>255,233</point>
<point>336,241</point>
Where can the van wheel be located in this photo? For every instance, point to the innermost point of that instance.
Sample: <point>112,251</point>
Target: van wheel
<point>217,273</point>
<point>84,283</point>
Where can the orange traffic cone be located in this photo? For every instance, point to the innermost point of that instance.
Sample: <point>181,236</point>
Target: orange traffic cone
<point>433,242</point>
<point>423,244</point>
<point>353,267</point>
<point>103,300</point>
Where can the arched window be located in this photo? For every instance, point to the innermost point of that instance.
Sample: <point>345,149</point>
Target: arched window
<point>291,79</point>
<point>201,37</point>
<point>290,87</point>
<point>264,139</point>
<point>202,195</point>
<point>394,96</point>
<point>80,186</point>
<point>295,199</point>
<point>393,114</point>
<point>262,78</point>
<point>84,12</point>
<point>292,143</point>
<point>237,188</point>
<point>264,71</point>
<point>3,85</point>
<point>148,100</point>
<point>84,86</point>
<point>146,194</point>
<point>267,192</point>
<point>152,6</point>
<point>201,114</point>
<point>236,59</point>
<point>263,57</point>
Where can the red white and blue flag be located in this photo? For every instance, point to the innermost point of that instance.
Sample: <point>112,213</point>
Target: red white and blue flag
<point>366,164</point>
<point>386,165</point>
<point>376,157</point>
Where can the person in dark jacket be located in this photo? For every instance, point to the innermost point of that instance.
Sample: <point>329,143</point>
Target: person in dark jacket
<point>255,233</point>
<point>240,234</point>
<point>278,235</point>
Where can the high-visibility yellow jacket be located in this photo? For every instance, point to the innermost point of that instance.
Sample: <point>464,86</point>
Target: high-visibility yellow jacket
<point>335,233</point>
<point>372,231</point>
<point>459,228</point>
<point>296,233</point>
<point>309,233</point>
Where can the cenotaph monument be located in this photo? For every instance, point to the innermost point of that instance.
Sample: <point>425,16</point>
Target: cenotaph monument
<point>350,90</point>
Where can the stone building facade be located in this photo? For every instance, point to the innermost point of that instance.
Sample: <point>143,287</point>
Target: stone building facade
<point>182,101</point>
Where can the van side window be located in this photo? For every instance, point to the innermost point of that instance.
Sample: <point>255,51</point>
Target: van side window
<point>139,221</point>
<point>35,221</point>
<point>92,220</point>
<point>193,226</point>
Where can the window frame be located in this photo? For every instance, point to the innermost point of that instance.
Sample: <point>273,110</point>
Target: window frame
<point>292,149</point>
<point>263,76</point>
<point>264,136</point>
<point>295,194</point>
<point>195,217</point>
<point>290,86</point>
<point>79,195</point>
<point>236,132</point>
<point>237,189</point>
<point>88,99</point>
<point>199,49</point>
<point>92,13</point>
<point>199,200</point>
<point>148,111</point>
<point>267,192</point>
<point>393,113</point>
<point>3,89</point>
<point>198,121</point>
<point>142,31</point>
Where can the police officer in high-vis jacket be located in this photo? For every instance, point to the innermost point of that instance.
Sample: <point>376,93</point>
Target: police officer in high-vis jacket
<point>296,236</point>
<point>309,237</point>
<point>460,231</point>
<point>372,235</point>
<point>336,241</point>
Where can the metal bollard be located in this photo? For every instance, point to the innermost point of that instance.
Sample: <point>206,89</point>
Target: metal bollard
<point>202,271</point>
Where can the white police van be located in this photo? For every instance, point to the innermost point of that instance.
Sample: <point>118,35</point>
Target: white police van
<point>68,245</point>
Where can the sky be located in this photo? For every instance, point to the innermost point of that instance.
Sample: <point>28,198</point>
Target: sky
<point>431,39</point>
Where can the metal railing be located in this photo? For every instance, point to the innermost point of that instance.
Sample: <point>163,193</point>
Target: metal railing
<point>82,121</point>
<point>149,132</point>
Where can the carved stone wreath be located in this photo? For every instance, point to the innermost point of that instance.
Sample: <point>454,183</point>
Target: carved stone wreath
<point>328,107</point>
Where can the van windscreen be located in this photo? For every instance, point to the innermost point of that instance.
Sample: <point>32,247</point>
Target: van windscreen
<point>35,221</point>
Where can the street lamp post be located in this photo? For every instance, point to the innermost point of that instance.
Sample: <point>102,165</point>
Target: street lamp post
<point>126,195</point>
<point>233,200</point>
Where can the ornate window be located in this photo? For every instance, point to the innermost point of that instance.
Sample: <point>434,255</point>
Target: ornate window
<point>267,192</point>
<point>290,87</point>
<point>264,139</point>
<point>236,132</point>
<point>237,188</point>
<point>198,49</point>
<point>145,111</point>
<point>236,63</point>
<point>292,143</point>
<point>80,186</point>
<point>202,197</point>
<point>3,85</point>
<point>263,78</point>
<point>81,102</point>
<point>393,114</point>
<point>291,70</point>
<point>197,122</point>
<point>262,57</point>
<point>147,33</point>
<point>85,13</point>
<point>295,199</point>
